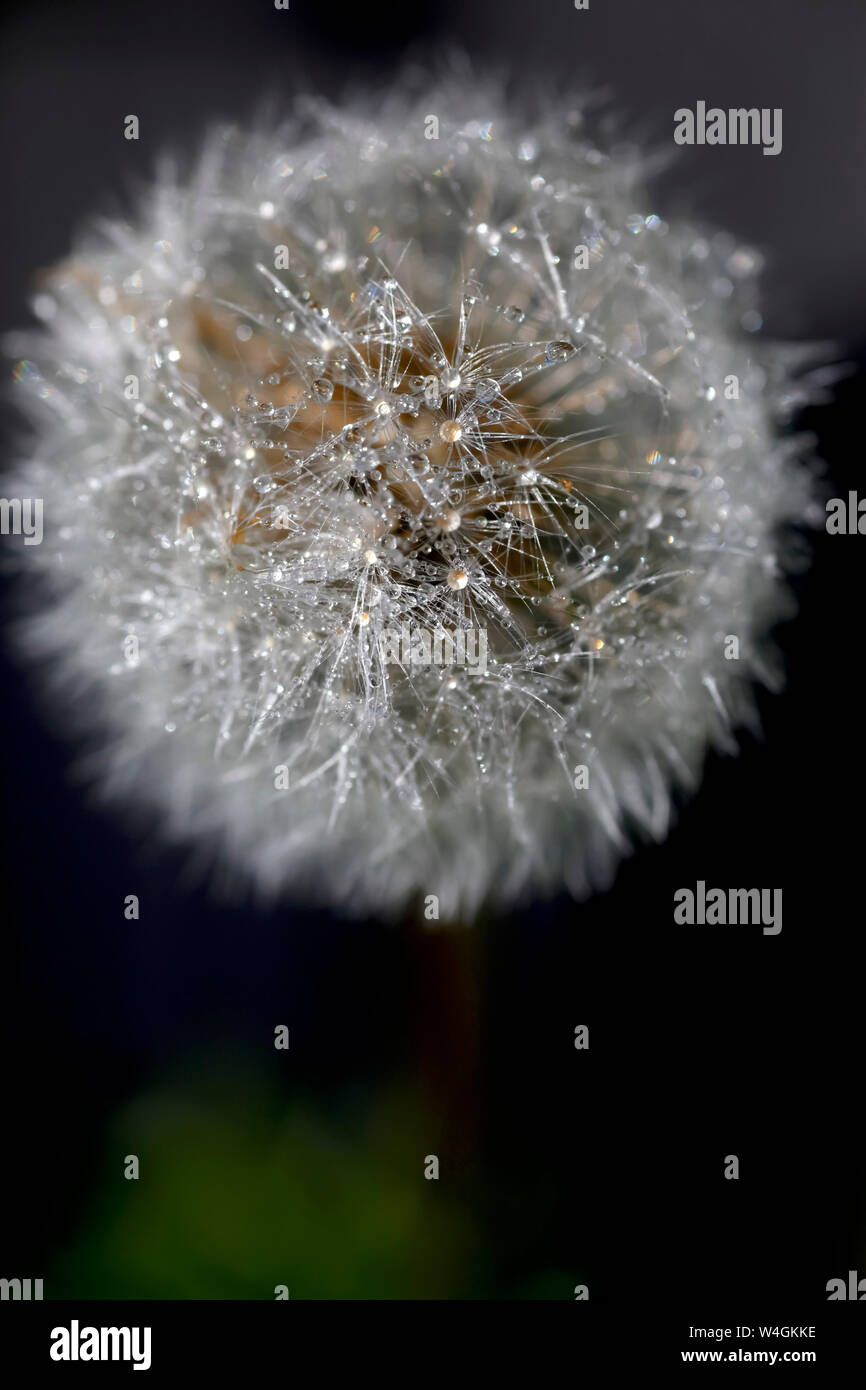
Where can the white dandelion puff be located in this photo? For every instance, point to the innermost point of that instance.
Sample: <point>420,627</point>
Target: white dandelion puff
<point>349,381</point>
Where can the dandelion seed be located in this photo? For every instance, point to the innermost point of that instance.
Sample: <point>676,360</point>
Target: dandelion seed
<point>288,442</point>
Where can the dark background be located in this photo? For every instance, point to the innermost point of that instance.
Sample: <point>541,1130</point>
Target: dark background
<point>558,1167</point>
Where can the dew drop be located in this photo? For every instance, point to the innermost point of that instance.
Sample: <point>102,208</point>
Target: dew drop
<point>558,352</point>
<point>486,390</point>
<point>512,377</point>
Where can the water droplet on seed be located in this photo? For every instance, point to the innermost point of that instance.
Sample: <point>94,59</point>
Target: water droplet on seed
<point>558,352</point>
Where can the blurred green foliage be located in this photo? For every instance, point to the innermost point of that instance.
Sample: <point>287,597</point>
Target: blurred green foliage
<point>239,1193</point>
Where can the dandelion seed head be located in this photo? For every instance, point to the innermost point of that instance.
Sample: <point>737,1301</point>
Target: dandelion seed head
<point>345,379</point>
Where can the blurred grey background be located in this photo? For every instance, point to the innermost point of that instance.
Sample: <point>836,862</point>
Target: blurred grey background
<point>73,68</point>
